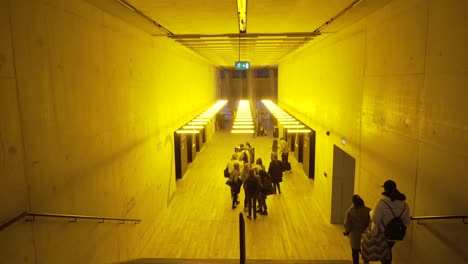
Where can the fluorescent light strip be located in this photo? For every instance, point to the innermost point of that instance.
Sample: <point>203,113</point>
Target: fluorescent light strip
<point>284,118</point>
<point>197,123</point>
<point>243,122</point>
<point>290,123</point>
<point>190,131</point>
<point>243,131</point>
<point>299,130</point>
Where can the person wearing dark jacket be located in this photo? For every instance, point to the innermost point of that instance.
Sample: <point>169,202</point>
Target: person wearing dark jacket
<point>392,202</point>
<point>265,180</point>
<point>251,188</point>
<point>276,172</point>
<point>356,222</point>
<point>236,183</point>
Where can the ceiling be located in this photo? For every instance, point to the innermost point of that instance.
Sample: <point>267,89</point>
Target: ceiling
<point>275,28</point>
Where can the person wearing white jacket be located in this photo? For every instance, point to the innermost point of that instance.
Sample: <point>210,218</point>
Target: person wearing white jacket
<point>392,200</point>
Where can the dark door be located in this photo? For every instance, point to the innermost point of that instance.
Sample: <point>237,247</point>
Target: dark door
<point>342,185</point>
<point>191,147</point>
<point>203,132</point>
<point>309,154</point>
<point>198,141</point>
<point>299,144</point>
<point>181,157</point>
<point>291,141</point>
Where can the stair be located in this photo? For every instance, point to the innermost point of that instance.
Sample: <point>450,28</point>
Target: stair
<point>231,261</point>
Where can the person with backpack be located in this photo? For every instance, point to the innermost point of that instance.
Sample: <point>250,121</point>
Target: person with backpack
<point>266,189</point>
<point>391,215</point>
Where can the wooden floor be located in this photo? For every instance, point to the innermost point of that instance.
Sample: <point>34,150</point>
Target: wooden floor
<point>200,223</point>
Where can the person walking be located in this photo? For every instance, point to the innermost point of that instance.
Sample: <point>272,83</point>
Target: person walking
<point>236,183</point>
<point>259,166</point>
<point>244,174</point>
<point>357,220</point>
<point>275,169</point>
<point>274,147</point>
<point>284,149</point>
<point>392,204</point>
<point>234,159</point>
<point>265,189</point>
<point>251,188</point>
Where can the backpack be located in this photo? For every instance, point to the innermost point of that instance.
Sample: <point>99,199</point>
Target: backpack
<point>267,186</point>
<point>395,229</point>
<point>251,184</point>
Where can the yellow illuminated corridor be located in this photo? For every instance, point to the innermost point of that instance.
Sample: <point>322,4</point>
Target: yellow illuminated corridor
<point>105,111</point>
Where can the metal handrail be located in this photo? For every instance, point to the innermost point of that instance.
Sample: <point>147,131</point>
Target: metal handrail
<point>419,218</point>
<point>74,217</point>
<point>242,238</point>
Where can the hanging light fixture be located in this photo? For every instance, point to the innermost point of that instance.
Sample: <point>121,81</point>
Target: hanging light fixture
<point>242,14</point>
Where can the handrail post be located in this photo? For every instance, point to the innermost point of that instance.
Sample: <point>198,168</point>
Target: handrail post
<point>242,238</point>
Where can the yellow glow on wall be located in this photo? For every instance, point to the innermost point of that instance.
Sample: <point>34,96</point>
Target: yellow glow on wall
<point>192,127</point>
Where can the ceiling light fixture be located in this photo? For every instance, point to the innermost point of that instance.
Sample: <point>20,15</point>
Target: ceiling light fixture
<point>242,14</point>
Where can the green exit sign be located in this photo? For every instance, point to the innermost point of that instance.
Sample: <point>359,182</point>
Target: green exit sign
<point>242,65</point>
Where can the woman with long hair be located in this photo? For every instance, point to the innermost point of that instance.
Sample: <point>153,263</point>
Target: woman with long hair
<point>356,222</point>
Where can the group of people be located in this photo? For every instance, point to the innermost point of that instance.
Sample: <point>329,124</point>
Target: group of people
<point>358,219</point>
<point>256,181</point>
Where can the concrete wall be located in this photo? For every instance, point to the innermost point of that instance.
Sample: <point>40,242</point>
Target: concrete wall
<point>89,106</point>
<point>394,86</point>
<point>13,187</point>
